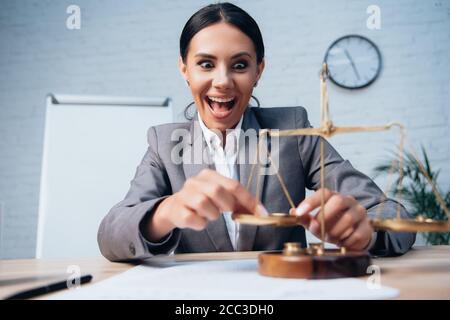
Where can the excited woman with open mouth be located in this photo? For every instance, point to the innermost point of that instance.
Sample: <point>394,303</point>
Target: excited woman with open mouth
<point>185,207</point>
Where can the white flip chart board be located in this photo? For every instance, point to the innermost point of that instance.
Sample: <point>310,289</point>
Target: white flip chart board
<point>92,146</point>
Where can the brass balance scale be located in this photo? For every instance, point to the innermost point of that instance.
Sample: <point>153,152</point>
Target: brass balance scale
<point>316,261</point>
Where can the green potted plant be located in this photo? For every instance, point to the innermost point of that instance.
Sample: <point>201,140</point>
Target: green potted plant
<point>416,191</point>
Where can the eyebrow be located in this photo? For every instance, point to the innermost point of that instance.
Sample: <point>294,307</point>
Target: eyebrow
<point>206,55</point>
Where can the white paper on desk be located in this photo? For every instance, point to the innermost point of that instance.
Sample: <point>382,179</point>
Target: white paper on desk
<point>215,280</point>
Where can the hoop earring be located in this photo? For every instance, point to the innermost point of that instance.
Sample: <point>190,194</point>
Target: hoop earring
<point>187,81</point>
<point>186,111</point>
<point>256,84</point>
<point>257,101</point>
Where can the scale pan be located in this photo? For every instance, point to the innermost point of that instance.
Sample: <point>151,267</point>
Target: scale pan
<point>273,219</point>
<point>419,224</point>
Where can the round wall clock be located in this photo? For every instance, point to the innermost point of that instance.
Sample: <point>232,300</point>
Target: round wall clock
<point>353,62</point>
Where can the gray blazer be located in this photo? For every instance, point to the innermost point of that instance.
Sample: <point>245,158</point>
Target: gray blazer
<point>157,176</point>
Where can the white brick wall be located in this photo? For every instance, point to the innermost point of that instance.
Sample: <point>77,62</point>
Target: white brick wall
<point>131,48</point>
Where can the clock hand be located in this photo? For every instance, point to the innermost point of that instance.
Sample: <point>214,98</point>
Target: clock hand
<point>352,63</point>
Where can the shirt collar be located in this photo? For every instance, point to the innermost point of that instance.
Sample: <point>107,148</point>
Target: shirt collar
<point>214,141</point>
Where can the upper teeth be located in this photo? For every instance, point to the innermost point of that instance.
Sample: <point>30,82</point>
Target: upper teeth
<point>221,99</point>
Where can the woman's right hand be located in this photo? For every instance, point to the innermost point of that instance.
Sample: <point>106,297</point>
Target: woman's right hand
<point>202,198</point>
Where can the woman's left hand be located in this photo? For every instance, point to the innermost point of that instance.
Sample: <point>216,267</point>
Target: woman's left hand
<point>346,221</point>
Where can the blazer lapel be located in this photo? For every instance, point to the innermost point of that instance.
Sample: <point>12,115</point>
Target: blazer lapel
<point>195,159</point>
<point>195,152</point>
<point>248,152</point>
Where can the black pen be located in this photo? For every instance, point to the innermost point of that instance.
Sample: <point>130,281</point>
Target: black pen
<point>32,293</point>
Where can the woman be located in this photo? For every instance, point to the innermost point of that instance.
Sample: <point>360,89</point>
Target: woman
<point>185,206</point>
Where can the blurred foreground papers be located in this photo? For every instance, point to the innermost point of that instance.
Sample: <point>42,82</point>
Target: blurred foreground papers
<point>211,280</point>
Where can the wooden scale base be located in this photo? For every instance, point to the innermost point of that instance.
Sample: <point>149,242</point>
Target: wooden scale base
<point>314,262</point>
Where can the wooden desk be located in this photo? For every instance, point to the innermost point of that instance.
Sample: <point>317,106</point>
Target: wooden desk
<point>423,273</point>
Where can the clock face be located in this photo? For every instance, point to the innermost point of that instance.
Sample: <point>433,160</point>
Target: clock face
<point>353,62</point>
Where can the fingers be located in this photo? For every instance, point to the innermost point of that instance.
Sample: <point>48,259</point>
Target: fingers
<point>336,206</point>
<point>188,218</point>
<point>242,198</point>
<point>202,198</point>
<point>206,195</point>
<point>314,228</point>
<point>200,203</point>
<point>304,219</point>
<point>347,233</point>
<point>360,238</point>
<point>347,222</point>
<point>313,201</point>
<point>304,210</point>
<point>341,227</point>
<point>342,215</point>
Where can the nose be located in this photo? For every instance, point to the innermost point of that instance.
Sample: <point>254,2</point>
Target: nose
<point>222,79</point>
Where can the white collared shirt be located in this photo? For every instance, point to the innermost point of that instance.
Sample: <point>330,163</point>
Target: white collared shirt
<point>225,162</point>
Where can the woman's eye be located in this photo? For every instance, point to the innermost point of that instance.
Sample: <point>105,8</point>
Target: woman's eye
<point>205,64</point>
<point>237,66</point>
<point>240,65</point>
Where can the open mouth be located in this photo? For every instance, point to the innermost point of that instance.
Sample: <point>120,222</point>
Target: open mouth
<point>221,108</point>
